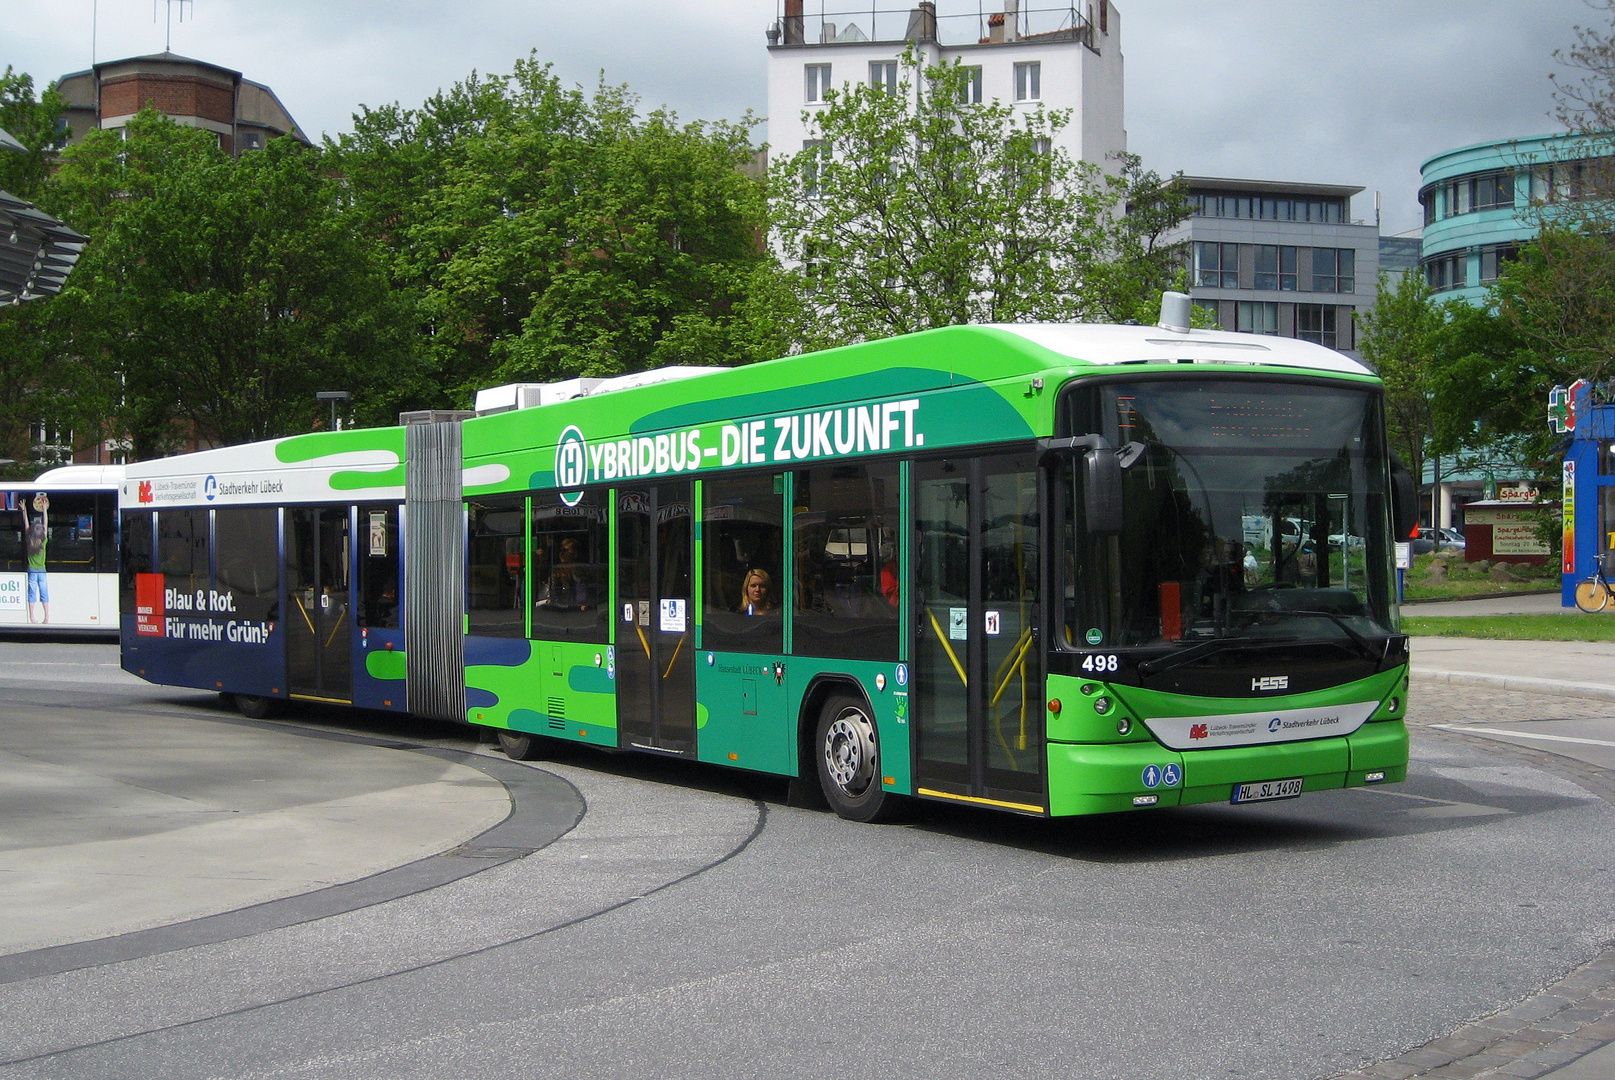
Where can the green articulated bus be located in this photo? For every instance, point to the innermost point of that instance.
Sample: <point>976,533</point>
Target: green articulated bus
<point>1052,569</point>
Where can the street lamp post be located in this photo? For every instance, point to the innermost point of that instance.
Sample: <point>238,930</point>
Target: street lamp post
<point>333,396</point>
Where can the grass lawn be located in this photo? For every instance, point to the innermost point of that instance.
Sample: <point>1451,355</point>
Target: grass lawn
<point>1572,626</point>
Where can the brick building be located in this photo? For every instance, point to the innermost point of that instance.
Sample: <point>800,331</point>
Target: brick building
<point>245,115</point>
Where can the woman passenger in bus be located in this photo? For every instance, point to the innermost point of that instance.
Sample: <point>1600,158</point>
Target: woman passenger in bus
<point>757,593</point>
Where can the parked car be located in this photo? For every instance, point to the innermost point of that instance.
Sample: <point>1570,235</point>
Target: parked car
<point>1426,541</point>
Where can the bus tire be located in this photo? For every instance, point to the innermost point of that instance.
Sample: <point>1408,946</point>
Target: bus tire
<point>256,707</point>
<point>520,746</point>
<point>847,753</point>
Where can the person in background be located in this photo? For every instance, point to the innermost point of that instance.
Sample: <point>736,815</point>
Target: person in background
<point>36,538</point>
<point>757,593</point>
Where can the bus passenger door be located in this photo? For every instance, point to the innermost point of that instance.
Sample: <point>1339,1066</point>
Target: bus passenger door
<point>654,609</point>
<point>319,618</point>
<point>978,681</point>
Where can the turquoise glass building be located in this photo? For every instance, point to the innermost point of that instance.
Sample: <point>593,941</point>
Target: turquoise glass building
<point>1477,205</point>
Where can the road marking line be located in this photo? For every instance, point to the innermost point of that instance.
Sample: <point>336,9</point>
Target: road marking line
<point>1525,735</point>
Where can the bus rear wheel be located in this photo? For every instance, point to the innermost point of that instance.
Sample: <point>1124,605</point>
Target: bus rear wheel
<point>519,746</point>
<point>848,758</point>
<point>256,707</point>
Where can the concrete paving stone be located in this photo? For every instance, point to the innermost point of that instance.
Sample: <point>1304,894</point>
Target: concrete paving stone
<point>1524,1068</point>
<point>1597,1065</point>
<point>1457,1047</point>
<point>1426,1058</point>
<point>1538,1008</point>
<point>1555,1054</point>
<point>1602,1031</point>
<point>1581,1016</point>
<point>1558,1024</point>
<point>1392,1070</point>
<point>1575,1046</point>
<point>1489,1060</point>
<point>1516,1047</point>
<point>1465,1069</point>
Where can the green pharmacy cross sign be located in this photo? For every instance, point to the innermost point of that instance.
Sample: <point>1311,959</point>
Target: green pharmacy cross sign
<point>1561,410</point>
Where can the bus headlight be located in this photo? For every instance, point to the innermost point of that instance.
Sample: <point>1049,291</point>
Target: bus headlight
<point>1102,705</point>
<point>1123,725</point>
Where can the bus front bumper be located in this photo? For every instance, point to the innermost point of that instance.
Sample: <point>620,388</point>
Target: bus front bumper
<point>1098,778</point>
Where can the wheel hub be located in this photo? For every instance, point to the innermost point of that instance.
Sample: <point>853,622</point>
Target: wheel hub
<point>849,752</point>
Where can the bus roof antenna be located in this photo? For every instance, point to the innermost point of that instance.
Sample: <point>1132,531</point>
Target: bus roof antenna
<point>1175,312</point>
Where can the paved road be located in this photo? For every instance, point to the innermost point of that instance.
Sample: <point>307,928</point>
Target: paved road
<point>691,925</point>
<point>119,811</point>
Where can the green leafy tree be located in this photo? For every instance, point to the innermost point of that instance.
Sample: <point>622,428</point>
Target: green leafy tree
<point>1558,298</point>
<point>1458,384</point>
<point>548,234</point>
<point>1400,341</point>
<point>916,210</point>
<point>33,122</point>
<point>218,295</point>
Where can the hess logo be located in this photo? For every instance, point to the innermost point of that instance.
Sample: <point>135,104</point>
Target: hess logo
<point>1271,682</point>
<point>1198,731</point>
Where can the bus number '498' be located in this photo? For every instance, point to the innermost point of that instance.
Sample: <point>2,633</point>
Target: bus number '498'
<point>1099,662</point>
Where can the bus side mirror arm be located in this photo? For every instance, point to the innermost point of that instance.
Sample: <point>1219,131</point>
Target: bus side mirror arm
<point>1404,500</point>
<point>1101,480</point>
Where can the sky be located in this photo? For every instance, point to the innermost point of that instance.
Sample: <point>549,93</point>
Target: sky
<point>1320,91</point>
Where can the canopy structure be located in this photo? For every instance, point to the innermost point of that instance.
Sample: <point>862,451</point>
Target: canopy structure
<point>36,251</point>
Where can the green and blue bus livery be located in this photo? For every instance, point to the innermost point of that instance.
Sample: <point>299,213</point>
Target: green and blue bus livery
<point>1049,569</point>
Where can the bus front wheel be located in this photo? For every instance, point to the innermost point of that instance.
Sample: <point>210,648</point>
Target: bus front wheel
<point>519,746</point>
<point>848,757</point>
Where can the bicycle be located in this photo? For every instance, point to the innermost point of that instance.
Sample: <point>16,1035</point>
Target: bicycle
<point>1594,594</point>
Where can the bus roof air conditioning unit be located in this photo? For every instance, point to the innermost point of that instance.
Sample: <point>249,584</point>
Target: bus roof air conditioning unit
<point>514,396</point>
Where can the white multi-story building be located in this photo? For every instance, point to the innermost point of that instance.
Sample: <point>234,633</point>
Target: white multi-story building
<point>1058,57</point>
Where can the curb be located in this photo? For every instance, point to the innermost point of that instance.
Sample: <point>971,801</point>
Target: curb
<point>1478,596</point>
<point>1521,684</point>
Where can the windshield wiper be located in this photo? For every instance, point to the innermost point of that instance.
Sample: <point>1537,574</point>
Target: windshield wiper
<point>1364,646</point>
<point>1193,652</point>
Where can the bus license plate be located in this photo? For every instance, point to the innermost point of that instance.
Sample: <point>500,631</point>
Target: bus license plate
<point>1267,789</point>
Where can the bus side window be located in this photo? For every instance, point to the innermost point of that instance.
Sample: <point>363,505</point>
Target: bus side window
<point>136,556</point>
<point>246,560</point>
<point>378,567</point>
<point>844,539</point>
<point>743,548</point>
<point>106,532</point>
<point>182,543</point>
<point>569,568</point>
<point>72,524</point>
<point>495,573</point>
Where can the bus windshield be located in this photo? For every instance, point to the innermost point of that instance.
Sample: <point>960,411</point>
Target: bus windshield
<point>1255,510</point>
